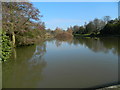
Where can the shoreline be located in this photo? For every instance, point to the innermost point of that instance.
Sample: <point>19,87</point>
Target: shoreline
<point>78,35</point>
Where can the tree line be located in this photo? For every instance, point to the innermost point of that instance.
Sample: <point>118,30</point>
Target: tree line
<point>98,27</point>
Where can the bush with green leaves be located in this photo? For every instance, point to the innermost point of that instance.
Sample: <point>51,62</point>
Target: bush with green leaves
<point>5,47</point>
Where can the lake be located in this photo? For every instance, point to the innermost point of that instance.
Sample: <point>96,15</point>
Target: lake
<point>73,63</point>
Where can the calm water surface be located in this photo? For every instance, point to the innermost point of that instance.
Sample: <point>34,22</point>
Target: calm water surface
<point>74,63</point>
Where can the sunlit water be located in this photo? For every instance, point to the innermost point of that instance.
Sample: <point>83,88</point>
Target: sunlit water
<point>75,63</point>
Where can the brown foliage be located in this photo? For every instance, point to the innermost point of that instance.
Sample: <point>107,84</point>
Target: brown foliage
<point>22,20</point>
<point>63,36</point>
<point>69,30</point>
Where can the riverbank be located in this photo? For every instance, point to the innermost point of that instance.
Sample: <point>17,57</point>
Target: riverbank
<point>95,35</point>
<point>25,41</point>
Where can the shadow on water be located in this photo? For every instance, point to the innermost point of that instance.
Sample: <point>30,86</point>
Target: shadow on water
<point>26,69</point>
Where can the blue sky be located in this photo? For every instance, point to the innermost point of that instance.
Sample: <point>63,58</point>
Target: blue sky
<point>65,14</point>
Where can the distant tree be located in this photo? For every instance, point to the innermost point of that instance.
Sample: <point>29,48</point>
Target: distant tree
<point>58,30</point>
<point>96,23</point>
<point>102,24</point>
<point>90,27</point>
<point>69,30</point>
<point>81,30</point>
<point>99,24</point>
<point>111,28</point>
<point>75,29</point>
<point>106,19</point>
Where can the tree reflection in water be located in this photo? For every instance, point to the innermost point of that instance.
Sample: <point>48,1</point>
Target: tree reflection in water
<point>95,44</point>
<point>38,55</point>
<point>25,71</point>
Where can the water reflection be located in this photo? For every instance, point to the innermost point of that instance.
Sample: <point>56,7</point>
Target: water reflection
<point>38,55</point>
<point>95,44</point>
<point>71,62</point>
<point>26,69</point>
<point>81,62</point>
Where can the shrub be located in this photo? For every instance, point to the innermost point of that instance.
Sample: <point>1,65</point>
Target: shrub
<point>5,47</point>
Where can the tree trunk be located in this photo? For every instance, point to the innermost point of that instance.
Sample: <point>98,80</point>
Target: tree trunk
<point>13,39</point>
